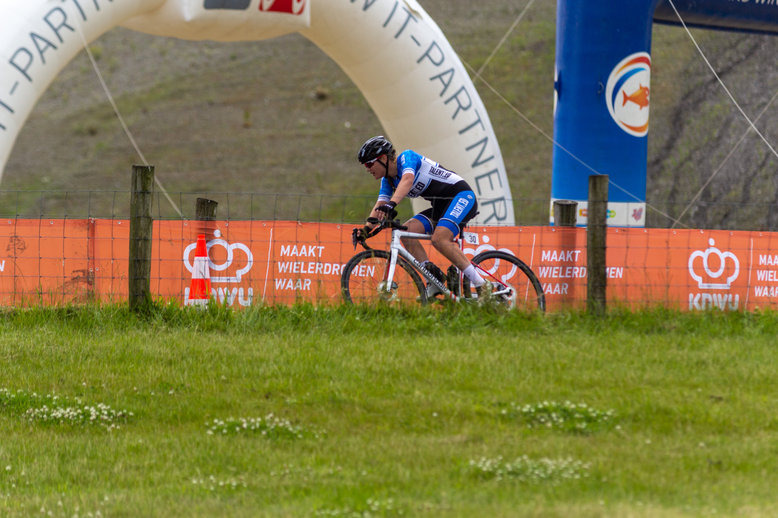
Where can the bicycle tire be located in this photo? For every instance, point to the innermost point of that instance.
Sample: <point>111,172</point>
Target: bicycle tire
<point>362,278</point>
<point>528,295</point>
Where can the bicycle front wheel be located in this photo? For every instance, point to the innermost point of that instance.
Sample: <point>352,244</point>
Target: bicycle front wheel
<point>364,280</point>
<point>515,285</point>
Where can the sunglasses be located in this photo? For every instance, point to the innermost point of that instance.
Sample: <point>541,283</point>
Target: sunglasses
<point>370,164</point>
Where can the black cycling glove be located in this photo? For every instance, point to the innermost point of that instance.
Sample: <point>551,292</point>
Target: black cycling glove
<point>360,235</point>
<point>388,209</point>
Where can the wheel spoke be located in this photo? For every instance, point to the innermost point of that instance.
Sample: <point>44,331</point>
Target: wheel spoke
<point>364,280</point>
<point>514,284</point>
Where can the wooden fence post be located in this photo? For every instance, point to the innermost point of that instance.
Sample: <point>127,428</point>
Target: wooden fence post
<point>565,220</point>
<point>205,210</point>
<point>141,225</point>
<point>205,215</point>
<point>597,212</point>
<point>564,213</point>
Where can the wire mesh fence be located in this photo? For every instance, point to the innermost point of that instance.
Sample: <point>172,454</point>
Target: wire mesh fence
<point>232,206</point>
<point>354,209</point>
<point>73,247</point>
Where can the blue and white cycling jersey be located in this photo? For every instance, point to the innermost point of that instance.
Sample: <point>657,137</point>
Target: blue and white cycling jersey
<point>430,180</point>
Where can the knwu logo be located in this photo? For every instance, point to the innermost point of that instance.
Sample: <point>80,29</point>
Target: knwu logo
<point>711,274</point>
<point>225,294</point>
<point>708,279</point>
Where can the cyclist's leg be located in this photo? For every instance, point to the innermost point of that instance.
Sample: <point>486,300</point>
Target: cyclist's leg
<point>461,210</point>
<point>443,241</point>
<point>419,224</point>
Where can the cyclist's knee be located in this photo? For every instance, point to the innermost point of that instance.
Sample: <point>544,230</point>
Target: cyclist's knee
<point>415,226</point>
<point>407,241</point>
<point>442,237</point>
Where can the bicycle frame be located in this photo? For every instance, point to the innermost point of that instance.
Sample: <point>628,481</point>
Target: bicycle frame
<point>398,250</point>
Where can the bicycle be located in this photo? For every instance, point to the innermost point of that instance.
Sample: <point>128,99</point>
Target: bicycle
<point>373,275</point>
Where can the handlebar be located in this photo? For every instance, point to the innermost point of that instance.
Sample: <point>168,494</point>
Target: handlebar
<point>395,224</point>
<point>382,224</point>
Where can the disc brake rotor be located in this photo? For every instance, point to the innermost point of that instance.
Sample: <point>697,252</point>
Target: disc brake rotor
<point>385,294</point>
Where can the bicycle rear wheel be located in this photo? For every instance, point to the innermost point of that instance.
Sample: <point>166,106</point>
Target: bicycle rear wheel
<point>364,280</point>
<point>515,285</point>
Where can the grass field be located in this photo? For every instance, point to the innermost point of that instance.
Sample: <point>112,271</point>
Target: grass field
<point>453,413</point>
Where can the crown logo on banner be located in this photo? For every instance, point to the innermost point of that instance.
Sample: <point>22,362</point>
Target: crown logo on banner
<point>231,249</point>
<point>710,274</point>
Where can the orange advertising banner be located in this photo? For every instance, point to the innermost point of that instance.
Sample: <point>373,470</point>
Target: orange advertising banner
<point>279,262</point>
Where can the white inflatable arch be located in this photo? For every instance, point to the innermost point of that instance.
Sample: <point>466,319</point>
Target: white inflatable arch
<point>426,101</point>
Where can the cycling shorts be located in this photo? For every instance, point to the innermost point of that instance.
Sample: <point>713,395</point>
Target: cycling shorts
<point>451,213</point>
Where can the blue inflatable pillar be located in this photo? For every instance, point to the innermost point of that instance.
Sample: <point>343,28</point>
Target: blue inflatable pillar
<point>602,103</point>
<point>603,90</point>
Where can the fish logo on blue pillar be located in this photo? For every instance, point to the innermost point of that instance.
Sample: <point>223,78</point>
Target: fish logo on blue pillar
<point>628,93</point>
<point>236,5</point>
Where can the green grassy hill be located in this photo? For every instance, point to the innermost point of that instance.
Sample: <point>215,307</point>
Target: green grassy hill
<point>462,414</point>
<point>279,116</point>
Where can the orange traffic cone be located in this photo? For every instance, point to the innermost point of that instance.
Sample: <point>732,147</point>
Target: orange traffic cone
<point>200,288</point>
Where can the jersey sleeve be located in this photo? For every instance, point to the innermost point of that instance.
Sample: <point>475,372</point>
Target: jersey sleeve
<point>408,162</point>
<point>385,194</point>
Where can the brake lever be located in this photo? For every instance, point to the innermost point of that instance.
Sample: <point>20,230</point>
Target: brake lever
<point>360,241</point>
<point>396,224</point>
<point>387,223</point>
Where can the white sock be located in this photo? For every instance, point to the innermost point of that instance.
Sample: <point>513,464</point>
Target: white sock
<point>475,278</point>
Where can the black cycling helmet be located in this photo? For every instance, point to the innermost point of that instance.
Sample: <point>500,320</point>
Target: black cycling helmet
<point>374,148</point>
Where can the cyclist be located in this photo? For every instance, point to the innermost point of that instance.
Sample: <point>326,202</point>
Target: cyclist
<point>453,204</point>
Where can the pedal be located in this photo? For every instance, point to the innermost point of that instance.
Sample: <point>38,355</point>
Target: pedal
<point>436,272</point>
<point>432,290</point>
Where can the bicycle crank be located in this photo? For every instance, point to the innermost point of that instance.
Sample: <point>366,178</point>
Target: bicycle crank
<point>506,294</point>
